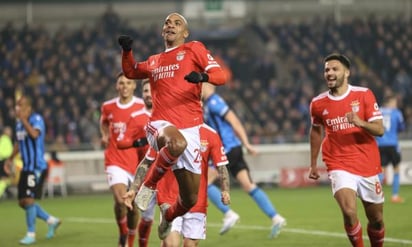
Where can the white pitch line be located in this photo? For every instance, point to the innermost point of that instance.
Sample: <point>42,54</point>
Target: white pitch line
<point>248,227</point>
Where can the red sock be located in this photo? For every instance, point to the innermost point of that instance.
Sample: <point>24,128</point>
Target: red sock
<point>176,210</point>
<point>355,234</point>
<point>145,227</point>
<point>376,237</point>
<point>122,224</point>
<point>130,237</point>
<point>162,163</point>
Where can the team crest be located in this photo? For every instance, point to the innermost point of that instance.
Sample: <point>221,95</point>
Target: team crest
<point>180,55</point>
<point>355,106</point>
<point>203,145</point>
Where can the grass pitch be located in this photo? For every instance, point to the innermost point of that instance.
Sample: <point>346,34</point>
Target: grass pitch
<point>312,214</point>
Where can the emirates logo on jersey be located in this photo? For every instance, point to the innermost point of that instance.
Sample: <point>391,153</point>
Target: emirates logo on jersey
<point>167,71</point>
<point>355,106</point>
<point>180,55</point>
<point>338,123</point>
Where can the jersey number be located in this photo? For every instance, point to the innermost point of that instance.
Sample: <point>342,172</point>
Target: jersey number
<point>31,180</point>
<point>198,157</point>
<point>378,188</point>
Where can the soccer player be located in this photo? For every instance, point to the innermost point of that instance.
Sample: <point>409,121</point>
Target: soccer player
<point>173,130</point>
<point>120,164</point>
<point>30,132</point>
<point>191,225</point>
<point>350,118</point>
<point>221,118</point>
<point>136,138</point>
<point>230,217</point>
<point>388,144</point>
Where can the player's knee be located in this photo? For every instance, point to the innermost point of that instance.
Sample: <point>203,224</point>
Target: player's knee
<point>176,146</point>
<point>378,224</point>
<point>22,204</point>
<point>376,220</point>
<point>349,213</point>
<point>118,200</point>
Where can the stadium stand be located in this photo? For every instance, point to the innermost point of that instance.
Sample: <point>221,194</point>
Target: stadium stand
<point>70,71</point>
<point>67,64</point>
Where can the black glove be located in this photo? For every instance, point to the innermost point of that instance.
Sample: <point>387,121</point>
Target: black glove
<point>196,77</point>
<point>140,142</point>
<point>125,42</point>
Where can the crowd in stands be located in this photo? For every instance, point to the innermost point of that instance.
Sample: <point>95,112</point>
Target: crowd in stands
<point>70,72</point>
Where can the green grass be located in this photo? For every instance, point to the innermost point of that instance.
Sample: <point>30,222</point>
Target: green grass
<point>312,214</point>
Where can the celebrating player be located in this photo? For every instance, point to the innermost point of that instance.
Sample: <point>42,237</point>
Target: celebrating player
<point>173,130</point>
<point>120,164</point>
<point>351,119</point>
<point>191,225</point>
<point>136,138</point>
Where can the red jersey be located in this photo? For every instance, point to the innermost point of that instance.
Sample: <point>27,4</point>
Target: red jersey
<point>117,117</point>
<point>345,146</point>
<point>174,99</point>
<point>136,130</point>
<point>211,149</point>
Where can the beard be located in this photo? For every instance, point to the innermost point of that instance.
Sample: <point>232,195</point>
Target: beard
<point>337,84</point>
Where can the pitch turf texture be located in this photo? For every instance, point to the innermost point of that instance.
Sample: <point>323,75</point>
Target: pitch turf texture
<point>312,214</point>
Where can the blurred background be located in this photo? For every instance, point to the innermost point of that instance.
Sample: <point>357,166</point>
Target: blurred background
<point>65,55</point>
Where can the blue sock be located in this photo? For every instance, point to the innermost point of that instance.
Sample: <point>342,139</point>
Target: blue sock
<point>40,213</point>
<point>395,184</point>
<point>381,177</point>
<point>262,200</point>
<point>31,218</point>
<point>215,196</point>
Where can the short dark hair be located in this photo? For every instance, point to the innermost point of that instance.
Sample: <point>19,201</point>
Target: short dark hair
<point>119,74</point>
<point>145,81</point>
<point>341,58</point>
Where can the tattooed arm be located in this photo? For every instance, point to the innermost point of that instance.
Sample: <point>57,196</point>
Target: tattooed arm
<point>138,180</point>
<point>224,184</point>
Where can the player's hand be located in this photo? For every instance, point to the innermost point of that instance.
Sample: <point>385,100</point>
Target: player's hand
<point>141,142</point>
<point>23,113</point>
<point>251,149</point>
<point>129,198</point>
<point>313,173</point>
<point>353,118</point>
<point>226,197</point>
<point>196,77</point>
<point>105,141</point>
<point>125,42</point>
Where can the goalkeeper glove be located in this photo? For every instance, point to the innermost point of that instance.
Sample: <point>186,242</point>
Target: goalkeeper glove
<point>196,77</point>
<point>125,42</point>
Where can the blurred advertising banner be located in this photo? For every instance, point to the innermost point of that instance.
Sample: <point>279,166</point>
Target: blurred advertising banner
<point>405,172</point>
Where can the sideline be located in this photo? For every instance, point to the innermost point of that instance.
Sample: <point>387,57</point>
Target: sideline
<point>248,227</point>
